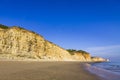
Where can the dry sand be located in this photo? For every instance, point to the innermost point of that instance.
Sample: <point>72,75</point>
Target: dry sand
<point>32,70</point>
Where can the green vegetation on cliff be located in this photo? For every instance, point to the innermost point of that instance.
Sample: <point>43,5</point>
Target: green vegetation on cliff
<point>3,26</point>
<point>72,51</point>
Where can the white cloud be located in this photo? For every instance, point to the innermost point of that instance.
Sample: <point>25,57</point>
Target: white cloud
<point>103,48</point>
<point>113,50</point>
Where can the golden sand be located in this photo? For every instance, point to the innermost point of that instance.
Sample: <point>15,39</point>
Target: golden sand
<point>33,70</point>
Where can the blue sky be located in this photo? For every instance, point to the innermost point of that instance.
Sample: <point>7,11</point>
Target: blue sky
<point>77,24</point>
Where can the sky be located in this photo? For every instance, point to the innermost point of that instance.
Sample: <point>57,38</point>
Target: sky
<point>91,25</point>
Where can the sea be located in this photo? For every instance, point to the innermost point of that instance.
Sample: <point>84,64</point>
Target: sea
<point>106,70</point>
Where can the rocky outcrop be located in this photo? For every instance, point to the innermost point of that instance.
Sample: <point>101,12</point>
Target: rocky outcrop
<point>19,44</point>
<point>80,56</point>
<point>84,56</point>
<point>98,59</point>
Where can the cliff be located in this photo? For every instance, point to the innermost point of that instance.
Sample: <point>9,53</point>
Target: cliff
<point>79,55</point>
<point>84,56</point>
<point>19,44</point>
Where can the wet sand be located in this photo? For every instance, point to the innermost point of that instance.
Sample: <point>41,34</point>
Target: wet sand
<point>33,70</point>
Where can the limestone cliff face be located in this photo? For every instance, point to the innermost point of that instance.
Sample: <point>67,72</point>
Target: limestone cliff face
<point>19,43</point>
<point>81,57</point>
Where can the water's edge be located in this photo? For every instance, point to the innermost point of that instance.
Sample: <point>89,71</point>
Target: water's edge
<point>104,74</point>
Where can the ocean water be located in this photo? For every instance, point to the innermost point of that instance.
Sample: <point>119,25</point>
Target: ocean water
<point>106,70</point>
<point>110,66</point>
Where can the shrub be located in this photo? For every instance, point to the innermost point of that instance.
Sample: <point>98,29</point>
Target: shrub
<point>3,26</point>
<point>72,51</point>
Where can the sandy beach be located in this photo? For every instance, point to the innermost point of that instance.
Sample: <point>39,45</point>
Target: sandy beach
<point>33,70</point>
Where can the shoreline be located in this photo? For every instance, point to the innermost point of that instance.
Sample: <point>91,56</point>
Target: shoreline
<point>103,73</point>
<point>39,70</point>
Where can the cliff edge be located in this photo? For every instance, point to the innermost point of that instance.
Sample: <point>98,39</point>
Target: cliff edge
<point>17,43</point>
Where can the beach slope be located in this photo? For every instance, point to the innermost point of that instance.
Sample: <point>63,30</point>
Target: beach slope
<point>26,70</point>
